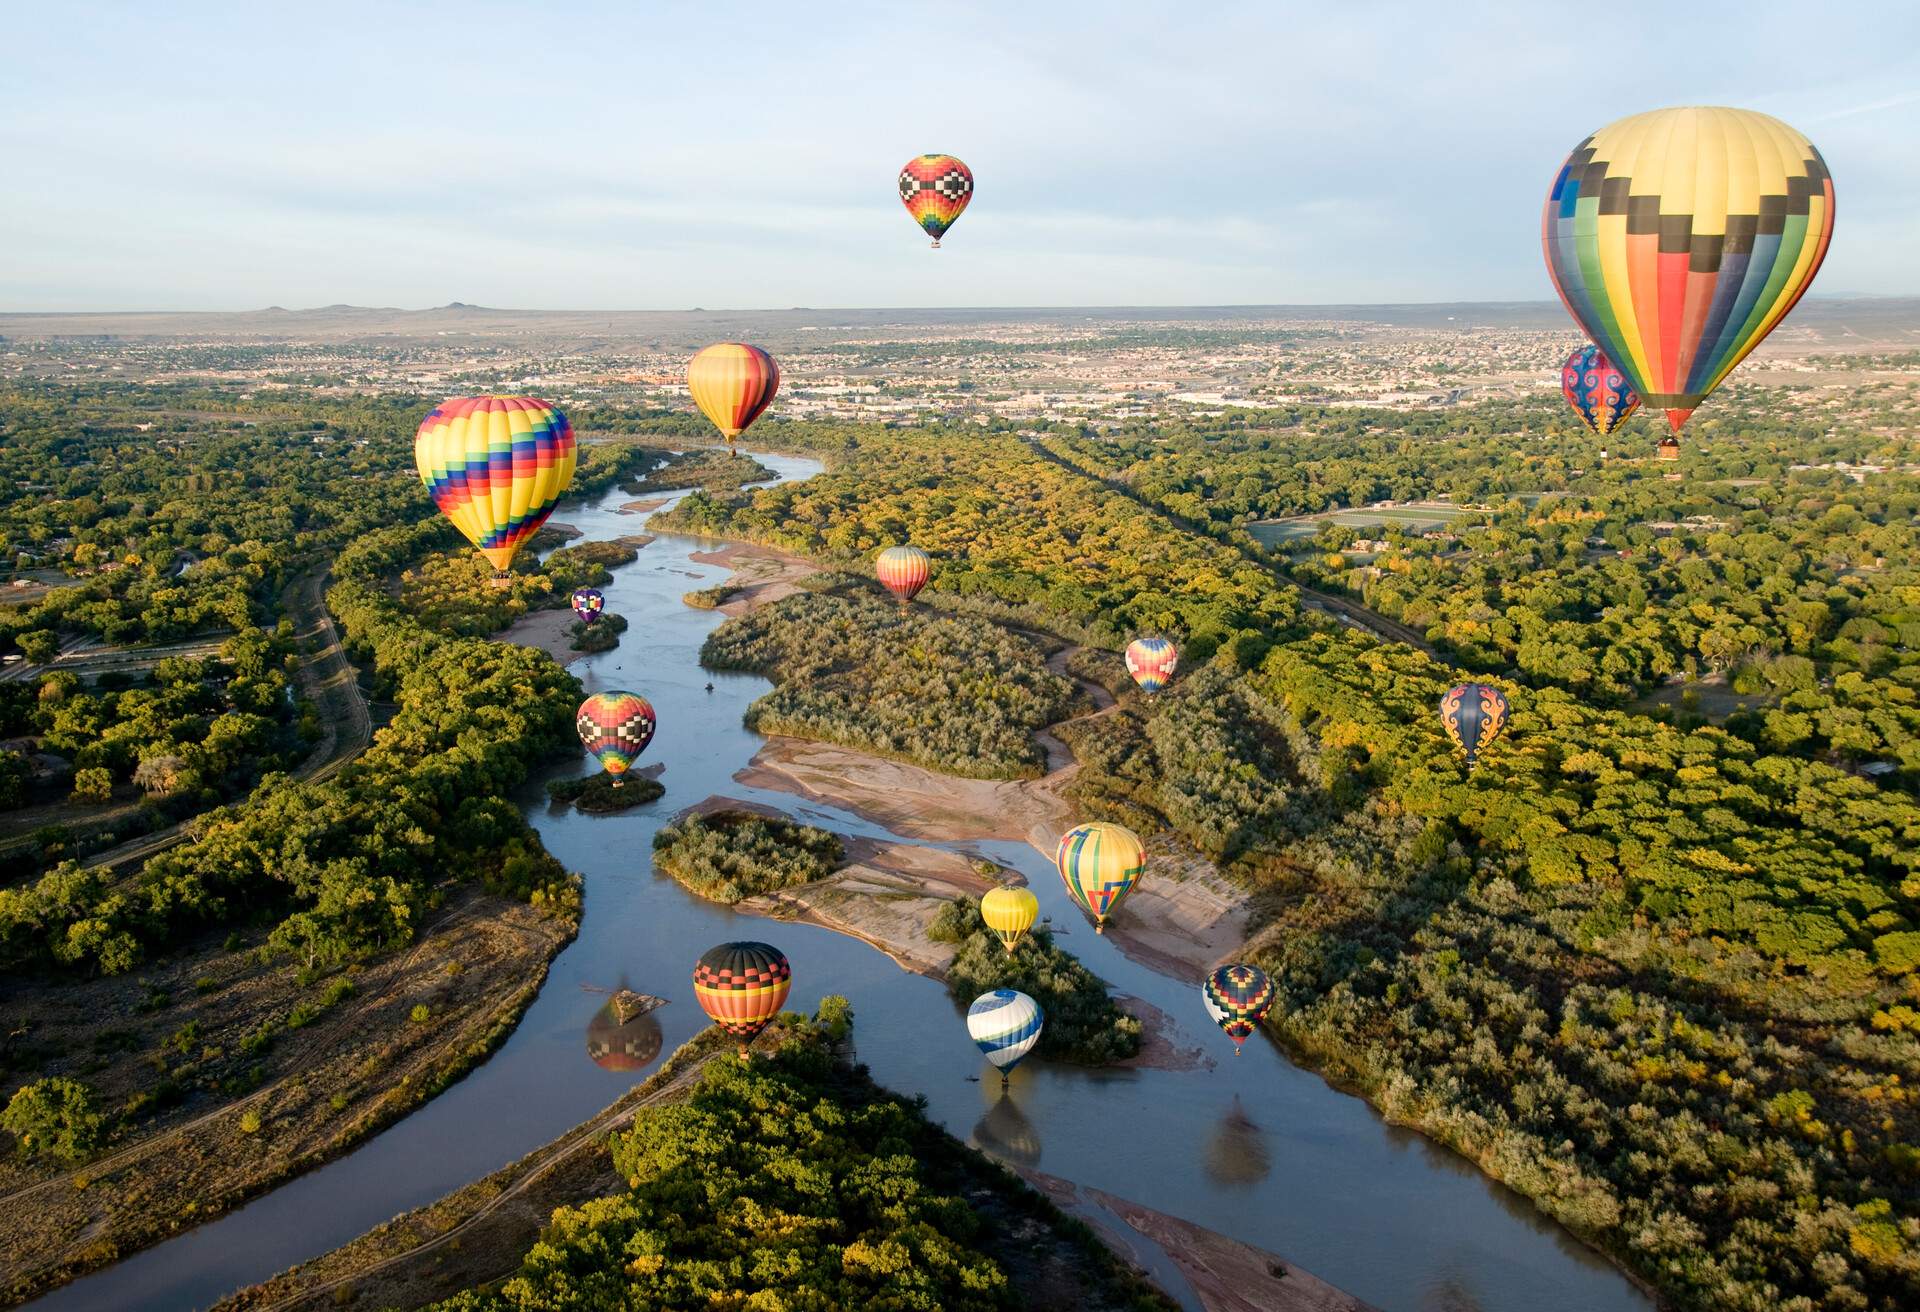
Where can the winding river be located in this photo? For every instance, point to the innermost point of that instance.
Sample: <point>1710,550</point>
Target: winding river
<point>1252,1147</point>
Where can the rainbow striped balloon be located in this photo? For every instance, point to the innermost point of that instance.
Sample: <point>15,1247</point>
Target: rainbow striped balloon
<point>903,571</point>
<point>1680,238</point>
<point>615,727</point>
<point>741,987</point>
<point>1151,662</point>
<point>1005,1024</point>
<point>495,465</point>
<point>935,189</point>
<point>733,384</point>
<point>1100,864</point>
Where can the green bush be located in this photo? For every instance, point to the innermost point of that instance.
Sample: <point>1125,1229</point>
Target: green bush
<point>730,855</point>
<point>53,1118</point>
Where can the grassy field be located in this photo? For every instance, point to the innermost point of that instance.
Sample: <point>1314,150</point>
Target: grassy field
<point>1275,532</point>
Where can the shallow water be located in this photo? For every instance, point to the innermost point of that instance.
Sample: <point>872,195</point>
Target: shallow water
<point>1250,1146</point>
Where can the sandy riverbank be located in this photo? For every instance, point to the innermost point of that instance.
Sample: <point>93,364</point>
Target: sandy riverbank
<point>550,631</point>
<point>1183,918</point>
<point>642,506</point>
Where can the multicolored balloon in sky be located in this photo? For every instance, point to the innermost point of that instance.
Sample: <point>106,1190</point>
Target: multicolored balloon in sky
<point>495,466</point>
<point>741,987</point>
<point>935,189</point>
<point>1151,662</point>
<point>1238,997</point>
<point>1473,715</point>
<point>1680,238</point>
<point>732,383</point>
<point>1009,913</point>
<point>903,571</point>
<point>587,604</point>
<point>1005,1024</point>
<point>1599,393</point>
<point>616,727</point>
<point>1100,863</point>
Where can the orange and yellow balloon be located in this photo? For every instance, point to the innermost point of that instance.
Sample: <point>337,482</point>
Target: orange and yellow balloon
<point>496,466</point>
<point>732,383</point>
<point>1680,238</point>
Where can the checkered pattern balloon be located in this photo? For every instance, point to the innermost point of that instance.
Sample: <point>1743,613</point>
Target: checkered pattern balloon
<point>742,986</point>
<point>935,189</point>
<point>587,604</point>
<point>1238,997</point>
<point>615,727</point>
<point>1680,238</point>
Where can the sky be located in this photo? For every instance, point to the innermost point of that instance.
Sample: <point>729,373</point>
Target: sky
<point>666,155</point>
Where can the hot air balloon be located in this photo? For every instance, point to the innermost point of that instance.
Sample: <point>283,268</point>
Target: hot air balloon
<point>1474,714</point>
<point>742,987</point>
<point>629,1044</point>
<point>495,466</point>
<point>615,727</point>
<point>1100,864</point>
<point>935,189</point>
<point>587,604</point>
<point>1679,239</point>
<point>1150,661</point>
<point>732,383</point>
<point>1238,997</point>
<point>1005,1024</point>
<point>903,572</point>
<point>1010,913</point>
<point>1599,393</point>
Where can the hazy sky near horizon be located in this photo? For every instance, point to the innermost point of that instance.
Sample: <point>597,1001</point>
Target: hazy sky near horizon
<point>668,155</point>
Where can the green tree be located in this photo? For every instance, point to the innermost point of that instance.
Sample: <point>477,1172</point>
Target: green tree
<point>55,1118</point>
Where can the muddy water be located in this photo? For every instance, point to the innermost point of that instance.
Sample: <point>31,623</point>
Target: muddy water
<point>1250,1146</point>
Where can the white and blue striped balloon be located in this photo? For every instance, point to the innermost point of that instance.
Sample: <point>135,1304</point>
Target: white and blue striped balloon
<point>1005,1024</point>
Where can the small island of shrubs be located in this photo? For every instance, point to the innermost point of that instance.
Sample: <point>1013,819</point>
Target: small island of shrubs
<point>730,855</point>
<point>600,794</point>
<point>602,635</point>
<point>1084,1024</point>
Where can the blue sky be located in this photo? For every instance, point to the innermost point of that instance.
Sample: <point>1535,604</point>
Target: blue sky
<point>666,155</point>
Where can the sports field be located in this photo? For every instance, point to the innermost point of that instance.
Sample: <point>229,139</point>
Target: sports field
<point>1274,532</point>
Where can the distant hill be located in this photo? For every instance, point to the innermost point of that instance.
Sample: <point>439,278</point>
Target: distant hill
<point>1859,322</point>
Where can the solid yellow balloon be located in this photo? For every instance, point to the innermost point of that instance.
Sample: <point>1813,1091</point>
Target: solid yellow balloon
<point>1010,913</point>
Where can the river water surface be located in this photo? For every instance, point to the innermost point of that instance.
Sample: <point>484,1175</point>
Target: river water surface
<point>1250,1146</point>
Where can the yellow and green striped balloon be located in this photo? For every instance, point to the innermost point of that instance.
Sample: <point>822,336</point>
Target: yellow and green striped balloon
<point>1100,864</point>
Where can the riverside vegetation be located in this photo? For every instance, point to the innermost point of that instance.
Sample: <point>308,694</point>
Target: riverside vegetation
<point>729,855</point>
<point>1657,974</point>
<point>1084,1024</point>
<point>956,694</point>
<point>794,1181</point>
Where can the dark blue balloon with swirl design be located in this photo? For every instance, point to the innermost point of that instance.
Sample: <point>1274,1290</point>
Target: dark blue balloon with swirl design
<point>1598,392</point>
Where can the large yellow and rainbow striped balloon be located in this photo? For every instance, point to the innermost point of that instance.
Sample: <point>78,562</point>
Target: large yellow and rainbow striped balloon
<point>1680,238</point>
<point>732,383</point>
<point>1100,863</point>
<point>495,465</point>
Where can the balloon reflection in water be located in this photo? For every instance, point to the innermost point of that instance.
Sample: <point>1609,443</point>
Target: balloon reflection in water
<point>1237,1155</point>
<point>623,1035</point>
<point>1005,1132</point>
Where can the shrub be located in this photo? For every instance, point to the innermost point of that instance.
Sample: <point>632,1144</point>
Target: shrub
<point>730,855</point>
<point>54,1118</point>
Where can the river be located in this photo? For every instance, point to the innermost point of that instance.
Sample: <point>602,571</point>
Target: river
<point>1251,1146</point>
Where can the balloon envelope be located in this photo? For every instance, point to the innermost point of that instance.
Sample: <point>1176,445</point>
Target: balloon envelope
<point>587,604</point>
<point>495,466</point>
<point>935,189</point>
<point>1005,1024</point>
<point>615,727</point>
<point>732,383</point>
<point>1679,238</point>
<point>1151,662</point>
<point>1599,393</point>
<point>1238,997</point>
<point>1473,714</point>
<point>1100,863</point>
<point>1010,913</point>
<point>903,571</point>
<point>742,986</point>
